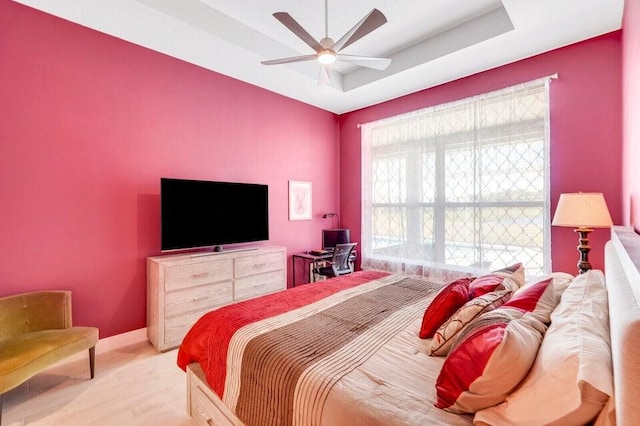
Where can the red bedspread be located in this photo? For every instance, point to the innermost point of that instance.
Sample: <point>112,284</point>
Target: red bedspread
<point>208,340</point>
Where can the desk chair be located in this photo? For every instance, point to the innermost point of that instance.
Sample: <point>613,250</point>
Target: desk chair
<point>339,263</point>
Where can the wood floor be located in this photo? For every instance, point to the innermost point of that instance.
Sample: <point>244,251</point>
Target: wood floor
<point>134,385</point>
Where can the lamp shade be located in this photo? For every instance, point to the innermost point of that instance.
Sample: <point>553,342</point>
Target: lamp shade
<point>582,209</point>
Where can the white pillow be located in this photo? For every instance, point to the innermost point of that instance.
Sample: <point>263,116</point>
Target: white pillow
<point>571,378</point>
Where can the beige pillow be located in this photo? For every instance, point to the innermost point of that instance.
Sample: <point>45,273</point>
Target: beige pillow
<point>447,333</point>
<point>561,281</point>
<point>571,378</point>
<point>607,416</point>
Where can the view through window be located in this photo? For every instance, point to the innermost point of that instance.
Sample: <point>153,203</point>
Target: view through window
<point>463,185</point>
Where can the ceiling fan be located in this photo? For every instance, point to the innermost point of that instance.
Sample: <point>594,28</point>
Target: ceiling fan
<point>327,52</point>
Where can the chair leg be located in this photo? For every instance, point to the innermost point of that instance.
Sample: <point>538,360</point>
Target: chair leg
<point>92,361</point>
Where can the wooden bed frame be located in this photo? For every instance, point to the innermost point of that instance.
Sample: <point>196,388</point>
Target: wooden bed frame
<point>622,271</point>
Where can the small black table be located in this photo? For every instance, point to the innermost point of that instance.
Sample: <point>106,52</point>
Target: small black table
<point>311,262</point>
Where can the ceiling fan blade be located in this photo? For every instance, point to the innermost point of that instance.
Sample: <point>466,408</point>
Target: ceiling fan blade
<point>324,77</point>
<point>373,20</point>
<point>365,61</point>
<point>297,29</point>
<point>289,60</point>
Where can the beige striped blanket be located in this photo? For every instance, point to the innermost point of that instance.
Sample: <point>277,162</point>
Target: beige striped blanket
<point>281,370</point>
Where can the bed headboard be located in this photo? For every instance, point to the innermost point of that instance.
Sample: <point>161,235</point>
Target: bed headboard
<point>622,271</point>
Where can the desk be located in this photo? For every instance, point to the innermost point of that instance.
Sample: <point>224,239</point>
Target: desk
<point>310,262</point>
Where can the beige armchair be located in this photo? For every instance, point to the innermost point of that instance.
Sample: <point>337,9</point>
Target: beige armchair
<point>36,332</point>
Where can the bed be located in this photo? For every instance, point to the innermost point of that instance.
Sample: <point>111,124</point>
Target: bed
<point>303,356</point>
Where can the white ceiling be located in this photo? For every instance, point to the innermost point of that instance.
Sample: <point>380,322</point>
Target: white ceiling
<point>430,42</point>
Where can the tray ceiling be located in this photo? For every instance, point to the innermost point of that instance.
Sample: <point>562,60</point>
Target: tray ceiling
<point>430,42</point>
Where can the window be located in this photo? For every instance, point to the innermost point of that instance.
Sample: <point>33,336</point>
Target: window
<point>461,186</point>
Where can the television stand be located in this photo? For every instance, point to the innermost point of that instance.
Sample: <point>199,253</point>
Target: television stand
<point>181,288</point>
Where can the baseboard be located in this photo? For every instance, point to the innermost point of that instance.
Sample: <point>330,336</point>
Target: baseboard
<point>121,340</point>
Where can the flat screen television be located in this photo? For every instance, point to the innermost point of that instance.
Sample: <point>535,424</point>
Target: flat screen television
<point>331,237</point>
<point>199,214</point>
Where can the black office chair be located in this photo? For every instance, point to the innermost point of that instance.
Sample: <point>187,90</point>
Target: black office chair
<point>339,263</point>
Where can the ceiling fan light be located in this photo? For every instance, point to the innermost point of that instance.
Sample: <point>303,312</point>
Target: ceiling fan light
<point>326,57</point>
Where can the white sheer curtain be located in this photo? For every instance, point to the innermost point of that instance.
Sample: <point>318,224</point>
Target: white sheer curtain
<point>462,186</point>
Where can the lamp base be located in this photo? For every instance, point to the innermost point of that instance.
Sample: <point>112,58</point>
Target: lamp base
<point>583,265</point>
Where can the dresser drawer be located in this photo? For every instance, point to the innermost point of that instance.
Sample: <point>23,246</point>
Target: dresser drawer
<point>258,264</point>
<point>203,409</point>
<point>176,327</point>
<point>257,285</point>
<point>197,298</point>
<point>204,406</point>
<point>192,275</point>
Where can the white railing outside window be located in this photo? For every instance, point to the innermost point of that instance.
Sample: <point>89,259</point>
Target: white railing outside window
<point>461,186</point>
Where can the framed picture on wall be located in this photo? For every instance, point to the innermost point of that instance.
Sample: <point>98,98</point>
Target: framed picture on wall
<point>299,200</point>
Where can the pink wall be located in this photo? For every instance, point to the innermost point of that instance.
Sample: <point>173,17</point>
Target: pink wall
<point>586,136</point>
<point>631,120</point>
<point>88,125</point>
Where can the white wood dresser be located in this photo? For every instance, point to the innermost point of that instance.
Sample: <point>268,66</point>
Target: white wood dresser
<point>183,287</point>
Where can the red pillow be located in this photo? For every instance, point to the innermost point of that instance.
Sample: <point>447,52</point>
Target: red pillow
<point>509,278</point>
<point>488,360</point>
<point>445,304</point>
<point>538,298</point>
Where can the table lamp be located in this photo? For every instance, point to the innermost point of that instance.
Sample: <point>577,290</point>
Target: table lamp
<point>583,211</point>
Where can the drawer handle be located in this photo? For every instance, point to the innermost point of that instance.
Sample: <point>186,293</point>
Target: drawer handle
<point>202,275</point>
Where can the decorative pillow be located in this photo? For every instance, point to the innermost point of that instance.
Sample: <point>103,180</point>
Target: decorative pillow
<point>538,298</point>
<point>488,360</point>
<point>509,278</point>
<point>542,297</point>
<point>446,334</point>
<point>561,281</point>
<point>571,376</point>
<point>446,303</point>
